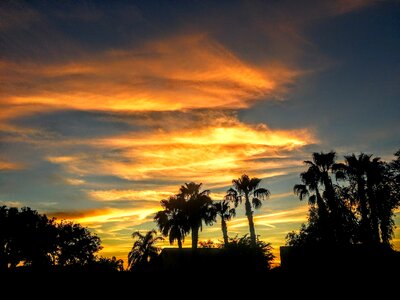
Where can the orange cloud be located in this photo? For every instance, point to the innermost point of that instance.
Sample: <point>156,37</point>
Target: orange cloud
<point>212,154</point>
<point>297,215</point>
<point>9,166</point>
<point>115,195</point>
<point>172,74</point>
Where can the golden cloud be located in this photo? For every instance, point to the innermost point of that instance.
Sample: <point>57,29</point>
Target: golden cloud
<point>172,74</point>
<point>115,195</point>
<point>9,166</point>
<point>296,215</point>
<point>213,155</point>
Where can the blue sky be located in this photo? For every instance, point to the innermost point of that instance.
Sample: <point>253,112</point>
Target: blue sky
<point>107,107</point>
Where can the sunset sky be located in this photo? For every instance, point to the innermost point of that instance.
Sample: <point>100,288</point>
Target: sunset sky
<point>107,107</point>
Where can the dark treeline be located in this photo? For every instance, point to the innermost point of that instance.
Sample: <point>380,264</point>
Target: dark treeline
<point>32,241</point>
<point>350,203</point>
<point>351,211</point>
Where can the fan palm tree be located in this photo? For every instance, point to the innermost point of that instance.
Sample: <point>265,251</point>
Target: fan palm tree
<point>199,208</point>
<point>226,213</point>
<point>338,219</point>
<point>143,249</point>
<point>375,173</point>
<point>310,188</point>
<point>172,220</point>
<point>248,188</point>
<point>355,170</point>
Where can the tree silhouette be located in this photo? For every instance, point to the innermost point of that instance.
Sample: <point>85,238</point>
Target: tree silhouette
<point>310,189</point>
<point>199,208</point>
<point>364,204</point>
<point>249,189</point>
<point>144,249</point>
<point>355,170</point>
<point>323,165</point>
<point>26,237</point>
<point>172,221</point>
<point>226,213</point>
<point>247,256</point>
<point>76,245</point>
<point>33,240</point>
<point>105,264</point>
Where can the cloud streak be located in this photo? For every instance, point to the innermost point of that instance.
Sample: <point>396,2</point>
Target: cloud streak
<point>178,73</point>
<point>212,154</point>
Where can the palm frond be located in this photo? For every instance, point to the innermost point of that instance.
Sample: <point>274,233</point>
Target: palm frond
<point>261,193</point>
<point>257,203</point>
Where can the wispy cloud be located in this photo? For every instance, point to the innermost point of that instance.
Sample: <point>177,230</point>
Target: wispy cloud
<point>8,165</point>
<point>296,215</point>
<point>213,154</point>
<point>171,74</point>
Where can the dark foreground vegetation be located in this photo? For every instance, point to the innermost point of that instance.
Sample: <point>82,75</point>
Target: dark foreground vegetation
<point>349,229</point>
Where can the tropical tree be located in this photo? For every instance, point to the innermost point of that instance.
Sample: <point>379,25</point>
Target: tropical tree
<point>371,185</point>
<point>355,170</point>
<point>247,256</point>
<point>172,220</point>
<point>144,249</point>
<point>76,245</point>
<point>199,208</point>
<point>310,189</point>
<point>226,213</point>
<point>248,188</point>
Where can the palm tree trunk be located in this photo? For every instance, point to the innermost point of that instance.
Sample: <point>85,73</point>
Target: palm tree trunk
<point>224,231</point>
<point>374,214</point>
<point>365,223</point>
<point>326,230</point>
<point>179,243</point>
<point>249,214</point>
<point>195,236</point>
<point>333,205</point>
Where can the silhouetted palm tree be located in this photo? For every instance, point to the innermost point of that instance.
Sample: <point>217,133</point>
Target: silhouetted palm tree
<point>310,189</point>
<point>144,249</point>
<point>370,180</point>
<point>355,170</point>
<point>323,164</point>
<point>226,213</point>
<point>249,189</point>
<point>199,208</point>
<point>172,221</point>
<point>375,172</point>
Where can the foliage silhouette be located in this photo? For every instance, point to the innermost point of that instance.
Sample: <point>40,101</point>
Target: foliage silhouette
<point>365,204</point>
<point>172,221</point>
<point>226,213</point>
<point>184,213</point>
<point>334,222</point>
<point>246,256</point>
<point>76,245</point>
<point>38,243</point>
<point>248,188</point>
<point>144,250</point>
<point>105,264</point>
<point>208,244</point>
<point>199,208</point>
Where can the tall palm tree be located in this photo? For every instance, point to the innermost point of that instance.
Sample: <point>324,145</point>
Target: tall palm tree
<point>375,173</point>
<point>143,249</point>
<point>310,188</point>
<point>199,208</point>
<point>338,220</point>
<point>172,220</point>
<point>355,170</point>
<point>248,188</point>
<point>226,213</point>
